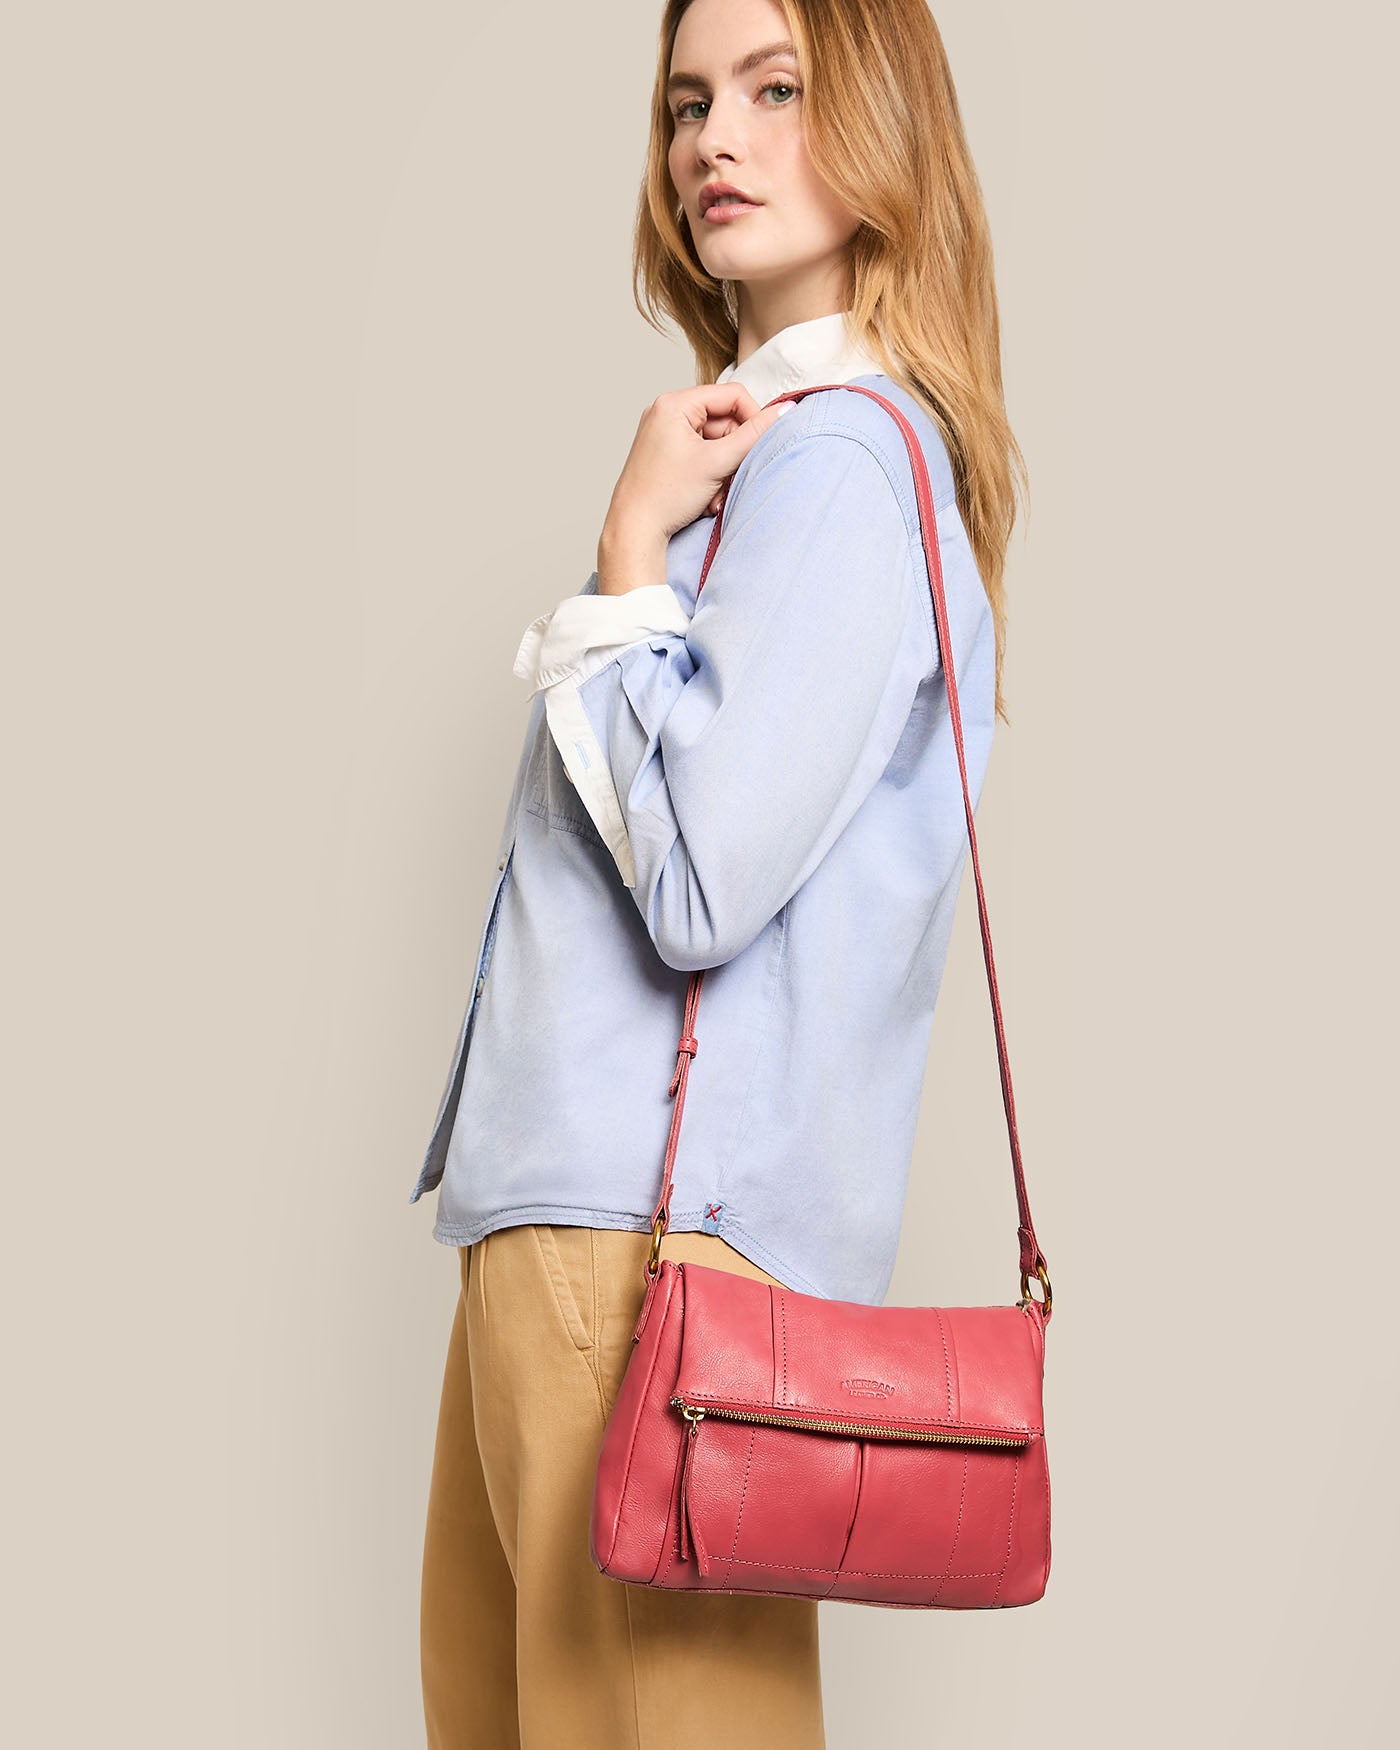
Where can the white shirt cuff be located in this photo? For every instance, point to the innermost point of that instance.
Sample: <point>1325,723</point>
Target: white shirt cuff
<point>586,631</point>
<point>562,649</point>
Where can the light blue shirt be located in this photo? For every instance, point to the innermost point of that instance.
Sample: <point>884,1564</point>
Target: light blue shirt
<point>788,815</point>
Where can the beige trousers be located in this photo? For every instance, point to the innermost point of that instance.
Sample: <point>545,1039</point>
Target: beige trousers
<point>525,1645</point>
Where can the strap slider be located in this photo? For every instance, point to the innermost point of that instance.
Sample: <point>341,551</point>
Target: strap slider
<point>687,1047</point>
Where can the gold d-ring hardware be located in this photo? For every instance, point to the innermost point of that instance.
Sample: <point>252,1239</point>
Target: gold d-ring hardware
<point>656,1229</point>
<point>1047,1297</point>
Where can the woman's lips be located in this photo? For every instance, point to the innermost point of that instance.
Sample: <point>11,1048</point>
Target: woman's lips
<point>724,210</point>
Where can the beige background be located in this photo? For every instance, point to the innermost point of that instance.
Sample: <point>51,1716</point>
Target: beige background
<point>320,364</point>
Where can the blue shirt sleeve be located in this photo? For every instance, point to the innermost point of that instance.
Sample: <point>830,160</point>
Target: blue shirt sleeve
<point>740,749</point>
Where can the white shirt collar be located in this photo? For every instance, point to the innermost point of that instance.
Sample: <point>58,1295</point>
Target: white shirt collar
<point>800,356</point>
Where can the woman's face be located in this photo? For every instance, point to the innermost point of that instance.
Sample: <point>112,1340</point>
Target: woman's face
<point>742,124</point>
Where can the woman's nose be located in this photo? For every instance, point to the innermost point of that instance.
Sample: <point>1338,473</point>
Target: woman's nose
<point>718,140</point>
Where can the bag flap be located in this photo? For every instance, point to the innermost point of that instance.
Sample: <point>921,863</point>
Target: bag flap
<point>747,1346</point>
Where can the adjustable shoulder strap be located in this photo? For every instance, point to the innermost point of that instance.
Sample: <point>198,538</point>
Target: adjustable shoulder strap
<point>1032,1259</point>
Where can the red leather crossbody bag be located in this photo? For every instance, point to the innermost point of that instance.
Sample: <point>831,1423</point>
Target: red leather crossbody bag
<point>769,1441</point>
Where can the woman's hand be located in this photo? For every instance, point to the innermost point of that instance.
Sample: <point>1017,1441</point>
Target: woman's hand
<point>687,445</point>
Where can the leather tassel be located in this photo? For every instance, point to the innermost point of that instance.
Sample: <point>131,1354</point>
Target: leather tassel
<point>690,1531</point>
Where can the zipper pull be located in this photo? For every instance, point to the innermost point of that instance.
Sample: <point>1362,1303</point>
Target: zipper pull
<point>690,1531</point>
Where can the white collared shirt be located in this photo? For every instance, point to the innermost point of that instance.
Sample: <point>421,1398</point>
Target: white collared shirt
<point>562,648</point>
<point>799,356</point>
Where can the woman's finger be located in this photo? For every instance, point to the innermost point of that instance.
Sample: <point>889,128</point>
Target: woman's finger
<point>710,401</point>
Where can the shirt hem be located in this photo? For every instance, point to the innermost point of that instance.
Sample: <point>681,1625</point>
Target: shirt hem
<point>460,1233</point>
<point>467,1233</point>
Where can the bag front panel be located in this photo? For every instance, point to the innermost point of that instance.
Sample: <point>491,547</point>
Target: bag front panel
<point>960,1521</point>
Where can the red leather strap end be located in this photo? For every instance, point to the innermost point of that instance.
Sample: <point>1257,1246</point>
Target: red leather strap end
<point>645,1312</point>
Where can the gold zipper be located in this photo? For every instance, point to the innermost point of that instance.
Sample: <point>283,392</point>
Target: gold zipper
<point>694,1414</point>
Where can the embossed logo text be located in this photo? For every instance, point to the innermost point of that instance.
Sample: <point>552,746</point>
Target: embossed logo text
<point>868,1388</point>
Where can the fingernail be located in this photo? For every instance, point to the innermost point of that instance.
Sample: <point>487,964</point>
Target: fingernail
<point>784,407</point>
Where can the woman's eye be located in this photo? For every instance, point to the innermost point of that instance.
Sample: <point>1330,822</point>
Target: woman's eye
<point>772,85</point>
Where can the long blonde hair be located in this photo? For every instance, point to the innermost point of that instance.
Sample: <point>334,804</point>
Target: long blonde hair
<point>883,127</point>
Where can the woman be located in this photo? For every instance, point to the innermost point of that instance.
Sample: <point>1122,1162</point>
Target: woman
<point>760,781</point>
